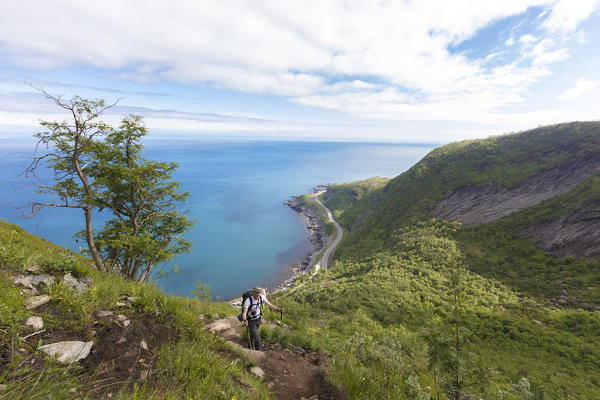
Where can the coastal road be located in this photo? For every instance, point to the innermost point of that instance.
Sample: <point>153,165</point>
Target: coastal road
<point>329,250</point>
<point>338,238</point>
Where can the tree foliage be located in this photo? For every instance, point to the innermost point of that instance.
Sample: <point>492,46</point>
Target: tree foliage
<point>98,167</point>
<point>72,148</point>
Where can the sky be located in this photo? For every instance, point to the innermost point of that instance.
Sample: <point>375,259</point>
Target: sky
<point>424,71</point>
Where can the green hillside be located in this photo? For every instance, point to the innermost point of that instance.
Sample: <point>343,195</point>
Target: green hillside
<point>417,307</point>
<point>186,361</point>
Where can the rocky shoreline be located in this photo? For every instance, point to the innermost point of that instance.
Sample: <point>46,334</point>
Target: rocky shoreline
<point>318,237</point>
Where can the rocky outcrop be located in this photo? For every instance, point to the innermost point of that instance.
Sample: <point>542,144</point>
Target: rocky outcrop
<point>473,205</point>
<point>573,235</point>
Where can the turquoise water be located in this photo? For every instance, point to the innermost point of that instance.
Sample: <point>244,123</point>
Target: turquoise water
<point>245,235</point>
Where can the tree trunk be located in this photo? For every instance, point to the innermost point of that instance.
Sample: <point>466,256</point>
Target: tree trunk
<point>437,391</point>
<point>89,235</point>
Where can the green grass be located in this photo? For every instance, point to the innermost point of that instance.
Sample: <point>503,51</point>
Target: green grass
<point>196,366</point>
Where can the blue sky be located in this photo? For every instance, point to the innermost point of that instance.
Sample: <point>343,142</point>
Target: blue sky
<point>407,71</point>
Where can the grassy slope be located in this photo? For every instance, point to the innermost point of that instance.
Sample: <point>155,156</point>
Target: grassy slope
<point>391,288</point>
<point>196,366</point>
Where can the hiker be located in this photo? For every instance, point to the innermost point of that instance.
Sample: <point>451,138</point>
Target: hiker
<point>252,312</point>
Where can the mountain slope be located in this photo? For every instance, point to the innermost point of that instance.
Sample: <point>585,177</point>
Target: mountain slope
<point>490,308</point>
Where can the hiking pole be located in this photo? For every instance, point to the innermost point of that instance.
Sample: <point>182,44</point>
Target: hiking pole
<point>280,327</point>
<point>250,346</point>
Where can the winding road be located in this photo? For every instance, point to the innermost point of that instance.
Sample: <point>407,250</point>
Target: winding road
<point>324,262</point>
<point>338,238</point>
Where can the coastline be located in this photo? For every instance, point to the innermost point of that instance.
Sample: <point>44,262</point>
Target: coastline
<point>318,238</point>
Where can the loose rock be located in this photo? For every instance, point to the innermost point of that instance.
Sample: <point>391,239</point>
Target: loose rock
<point>121,340</point>
<point>33,268</point>
<point>3,387</point>
<point>257,371</point>
<point>126,323</point>
<point>69,351</point>
<point>24,281</point>
<point>35,323</point>
<point>122,318</point>
<point>74,284</point>
<point>144,345</point>
<point>103,314</point>
<point>144,374</point>
<point>43,278</point>
<point>218,326</point>
<point>37,301</point>
<point>120,304</point>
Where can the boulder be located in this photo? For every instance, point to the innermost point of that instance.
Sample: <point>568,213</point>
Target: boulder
<point>67,352</point>
<point>35,323</point>
<point>37,301</point>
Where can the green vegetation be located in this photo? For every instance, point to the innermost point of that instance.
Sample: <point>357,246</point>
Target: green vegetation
<point>413,308</point>
<point>389,321</point>
<point>340,197</point>
<point>97,167</point>
<point>416,307</point>
<point>192,363</point>
<point>505,160</point>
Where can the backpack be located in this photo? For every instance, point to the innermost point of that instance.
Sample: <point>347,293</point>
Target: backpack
<point>248,295</point>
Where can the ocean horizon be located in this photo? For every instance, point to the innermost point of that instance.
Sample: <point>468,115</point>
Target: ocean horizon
<point>244,235</point>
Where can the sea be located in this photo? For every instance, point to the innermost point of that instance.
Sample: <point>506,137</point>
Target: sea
<point>244,235</point>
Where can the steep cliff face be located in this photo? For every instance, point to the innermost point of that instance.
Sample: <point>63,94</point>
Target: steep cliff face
<point>574,235</point>
<point>473,205</point>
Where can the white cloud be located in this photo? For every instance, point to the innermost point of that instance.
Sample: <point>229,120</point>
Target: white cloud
<point>386,60</point>
<point>582,87</point>
<point>567,14</point>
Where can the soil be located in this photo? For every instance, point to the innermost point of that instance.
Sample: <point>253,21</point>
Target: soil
<point>291,374</point>
<point>118,359</point>
<point>297,374</point>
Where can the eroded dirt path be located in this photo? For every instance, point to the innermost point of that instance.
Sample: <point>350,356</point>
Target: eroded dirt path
<point>290,374</point>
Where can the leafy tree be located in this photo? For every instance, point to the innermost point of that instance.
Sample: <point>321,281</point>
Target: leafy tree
<point>72,148</point>
<point>148,227</point>
<point>99,167</point>
<point>202,291</point>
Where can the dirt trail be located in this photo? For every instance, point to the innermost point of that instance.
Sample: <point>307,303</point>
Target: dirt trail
<point>290,374</point>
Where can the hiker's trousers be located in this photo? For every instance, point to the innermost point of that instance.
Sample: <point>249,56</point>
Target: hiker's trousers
<point>253,326</point>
